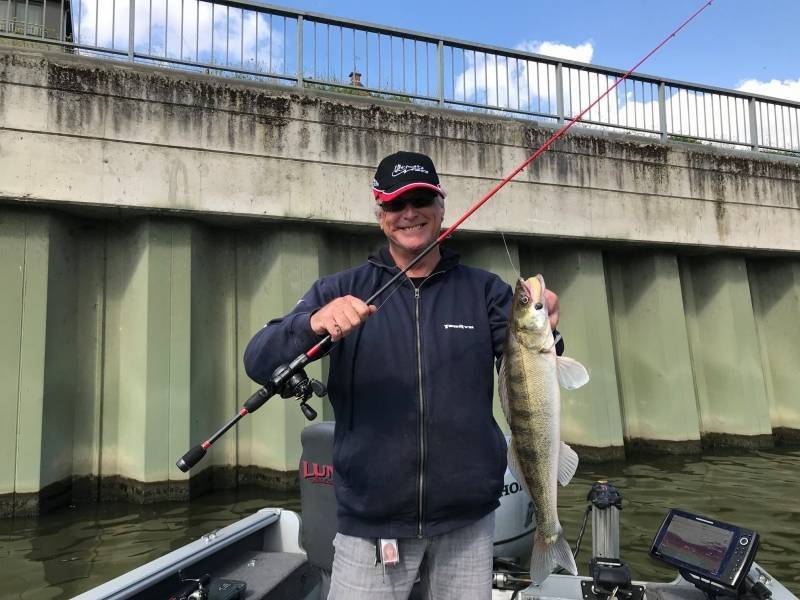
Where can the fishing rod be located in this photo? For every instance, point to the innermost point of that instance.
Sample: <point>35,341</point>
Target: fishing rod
<point>291,381</point>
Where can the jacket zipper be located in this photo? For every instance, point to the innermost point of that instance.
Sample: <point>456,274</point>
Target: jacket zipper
<point>421,410</point>
<point>421,401</point>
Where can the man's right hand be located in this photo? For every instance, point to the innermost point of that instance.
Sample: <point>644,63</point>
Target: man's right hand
<point>341,316</point>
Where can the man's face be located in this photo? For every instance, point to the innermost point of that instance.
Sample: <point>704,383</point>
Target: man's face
<point>412,221</point>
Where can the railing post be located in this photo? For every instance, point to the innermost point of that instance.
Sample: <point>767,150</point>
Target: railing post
<point>300,51</point>
<point>131,28</point>
<point>560,93</point>
<point>751,105</point>
<point>440,70</point>
<point>662,110</point>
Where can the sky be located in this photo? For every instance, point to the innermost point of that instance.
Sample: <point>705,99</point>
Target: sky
<point>738,44</point>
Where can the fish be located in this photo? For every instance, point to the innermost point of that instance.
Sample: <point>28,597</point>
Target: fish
<point>528,382</point>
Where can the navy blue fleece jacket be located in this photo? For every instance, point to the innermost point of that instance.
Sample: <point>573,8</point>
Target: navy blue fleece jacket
<point>417,451</point>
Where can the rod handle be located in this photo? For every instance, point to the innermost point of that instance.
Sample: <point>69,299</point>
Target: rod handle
<point>191,458</point>
<point>258,399</point>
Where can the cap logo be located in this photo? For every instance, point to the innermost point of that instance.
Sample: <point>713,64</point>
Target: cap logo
<point>402,169</point>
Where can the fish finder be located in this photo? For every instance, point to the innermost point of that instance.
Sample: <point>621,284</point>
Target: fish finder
<point>713,555</point>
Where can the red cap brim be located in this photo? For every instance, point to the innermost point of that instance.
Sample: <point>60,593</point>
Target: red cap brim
<point>382,196</point>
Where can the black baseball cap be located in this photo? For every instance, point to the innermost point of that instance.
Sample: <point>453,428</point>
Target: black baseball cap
<point>404,171</point>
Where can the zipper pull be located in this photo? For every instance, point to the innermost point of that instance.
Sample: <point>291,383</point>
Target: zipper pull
<point>416,293</point>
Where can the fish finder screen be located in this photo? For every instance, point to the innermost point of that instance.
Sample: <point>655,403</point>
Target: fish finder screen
<point>695,543</point>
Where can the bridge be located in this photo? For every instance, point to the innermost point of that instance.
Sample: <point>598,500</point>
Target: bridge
<point>153,219</point>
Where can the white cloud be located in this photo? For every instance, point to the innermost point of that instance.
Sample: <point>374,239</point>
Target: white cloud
<point>183,29</point>
<point>519,84</point>
<point>786,89</point>
<point>581,53</point>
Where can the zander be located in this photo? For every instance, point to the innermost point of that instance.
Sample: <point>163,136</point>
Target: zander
<point>529,391</point>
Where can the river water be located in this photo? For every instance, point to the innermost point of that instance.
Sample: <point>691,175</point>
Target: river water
<point>65,553</point>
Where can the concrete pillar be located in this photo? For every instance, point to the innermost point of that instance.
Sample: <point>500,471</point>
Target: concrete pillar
<point>24,248</point>
<point>62,364</point>
<point>775,288</point>
<point>275,267</point>
<point>652,352</point>
<point>87,402</point>
<point>728,376</point>
<point>215,363</point>
<point>591,416</point>
<point>146,393</point>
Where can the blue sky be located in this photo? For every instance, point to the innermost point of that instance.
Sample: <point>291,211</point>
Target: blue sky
<point>733,43</point>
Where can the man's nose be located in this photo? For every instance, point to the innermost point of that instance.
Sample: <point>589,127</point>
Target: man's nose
<point>408,211</point>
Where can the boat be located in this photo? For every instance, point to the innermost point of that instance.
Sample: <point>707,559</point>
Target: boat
<point>274,555</point>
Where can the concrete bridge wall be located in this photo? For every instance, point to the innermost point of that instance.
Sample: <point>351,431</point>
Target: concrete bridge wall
<point>153,220</point>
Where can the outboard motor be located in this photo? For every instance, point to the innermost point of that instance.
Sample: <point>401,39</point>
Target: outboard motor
<point>514,519</point>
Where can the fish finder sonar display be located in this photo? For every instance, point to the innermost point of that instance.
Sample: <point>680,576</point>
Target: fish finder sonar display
<point>696,543</point>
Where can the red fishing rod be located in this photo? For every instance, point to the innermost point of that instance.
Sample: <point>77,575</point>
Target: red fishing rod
<point>291,381</point>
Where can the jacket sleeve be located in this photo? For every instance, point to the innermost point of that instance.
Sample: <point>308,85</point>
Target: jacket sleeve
<point>498,304</point>
<point>281,340</point>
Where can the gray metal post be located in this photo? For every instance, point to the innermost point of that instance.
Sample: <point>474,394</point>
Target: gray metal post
<point>299,50</point>
<point>440,67</point>
<point>751,105</point>
<point>560,93</point>
<point>662,111</point>
<point>131,28</point>
<point>605,532</point>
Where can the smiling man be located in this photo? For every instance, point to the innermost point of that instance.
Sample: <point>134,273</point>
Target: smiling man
<point>418,457</point>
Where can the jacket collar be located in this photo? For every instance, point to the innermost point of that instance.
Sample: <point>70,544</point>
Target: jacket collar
<point>383,258</point>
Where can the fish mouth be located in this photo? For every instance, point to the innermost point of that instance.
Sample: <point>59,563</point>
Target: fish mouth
<point>535,287</point>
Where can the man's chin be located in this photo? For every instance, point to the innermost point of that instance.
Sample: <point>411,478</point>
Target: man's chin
<point>413,246</point>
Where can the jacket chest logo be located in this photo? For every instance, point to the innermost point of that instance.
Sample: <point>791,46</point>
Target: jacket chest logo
<point>458,326</point>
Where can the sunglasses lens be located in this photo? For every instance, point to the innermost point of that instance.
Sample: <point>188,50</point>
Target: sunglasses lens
<point>393,206</point>
<point>400,203</point>
<point>422,202</point>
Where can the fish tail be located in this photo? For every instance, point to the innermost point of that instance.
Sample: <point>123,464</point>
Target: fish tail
<point>547,556</point>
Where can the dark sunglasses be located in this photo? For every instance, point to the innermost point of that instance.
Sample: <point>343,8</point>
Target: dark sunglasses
<point>400,203</point>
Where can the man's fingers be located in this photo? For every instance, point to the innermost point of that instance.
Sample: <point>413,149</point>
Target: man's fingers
<point>340,316</point>
<point>361,309</point>
<point>352,314</point>
<point>553,308</point>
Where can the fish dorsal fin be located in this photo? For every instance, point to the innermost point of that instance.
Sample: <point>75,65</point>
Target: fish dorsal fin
<point>516,468</point>
<point>571,373</point>
<point>567,464</point>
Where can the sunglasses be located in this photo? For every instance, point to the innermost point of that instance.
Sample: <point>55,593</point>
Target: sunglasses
<point>401,203</point>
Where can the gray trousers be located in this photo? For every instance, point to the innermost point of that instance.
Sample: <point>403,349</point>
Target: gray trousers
<point>455,565</point>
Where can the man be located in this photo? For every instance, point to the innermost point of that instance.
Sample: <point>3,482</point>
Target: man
<point>418,457</point>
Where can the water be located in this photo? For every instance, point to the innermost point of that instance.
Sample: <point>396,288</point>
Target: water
<point>65,553</point>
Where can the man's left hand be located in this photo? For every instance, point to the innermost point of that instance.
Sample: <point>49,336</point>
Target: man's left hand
<point>551,302</point>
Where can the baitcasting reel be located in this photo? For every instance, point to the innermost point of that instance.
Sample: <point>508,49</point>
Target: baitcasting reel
<point>300,386</point>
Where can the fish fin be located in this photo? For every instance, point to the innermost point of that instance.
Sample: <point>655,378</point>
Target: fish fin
<point>516,468</point>
<point>567,464</point>
<point>546,557</point>
<point>571,373</point>
<point>501,388</point>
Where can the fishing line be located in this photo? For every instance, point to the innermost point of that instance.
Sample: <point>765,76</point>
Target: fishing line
<point>508,252</point>
<point>279,380</point>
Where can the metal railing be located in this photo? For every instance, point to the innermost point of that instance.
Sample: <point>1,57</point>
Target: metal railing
<point>246,39</point>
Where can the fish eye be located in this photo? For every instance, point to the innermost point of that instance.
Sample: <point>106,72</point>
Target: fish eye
<point>538,306</point>
<point>524,299</point>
